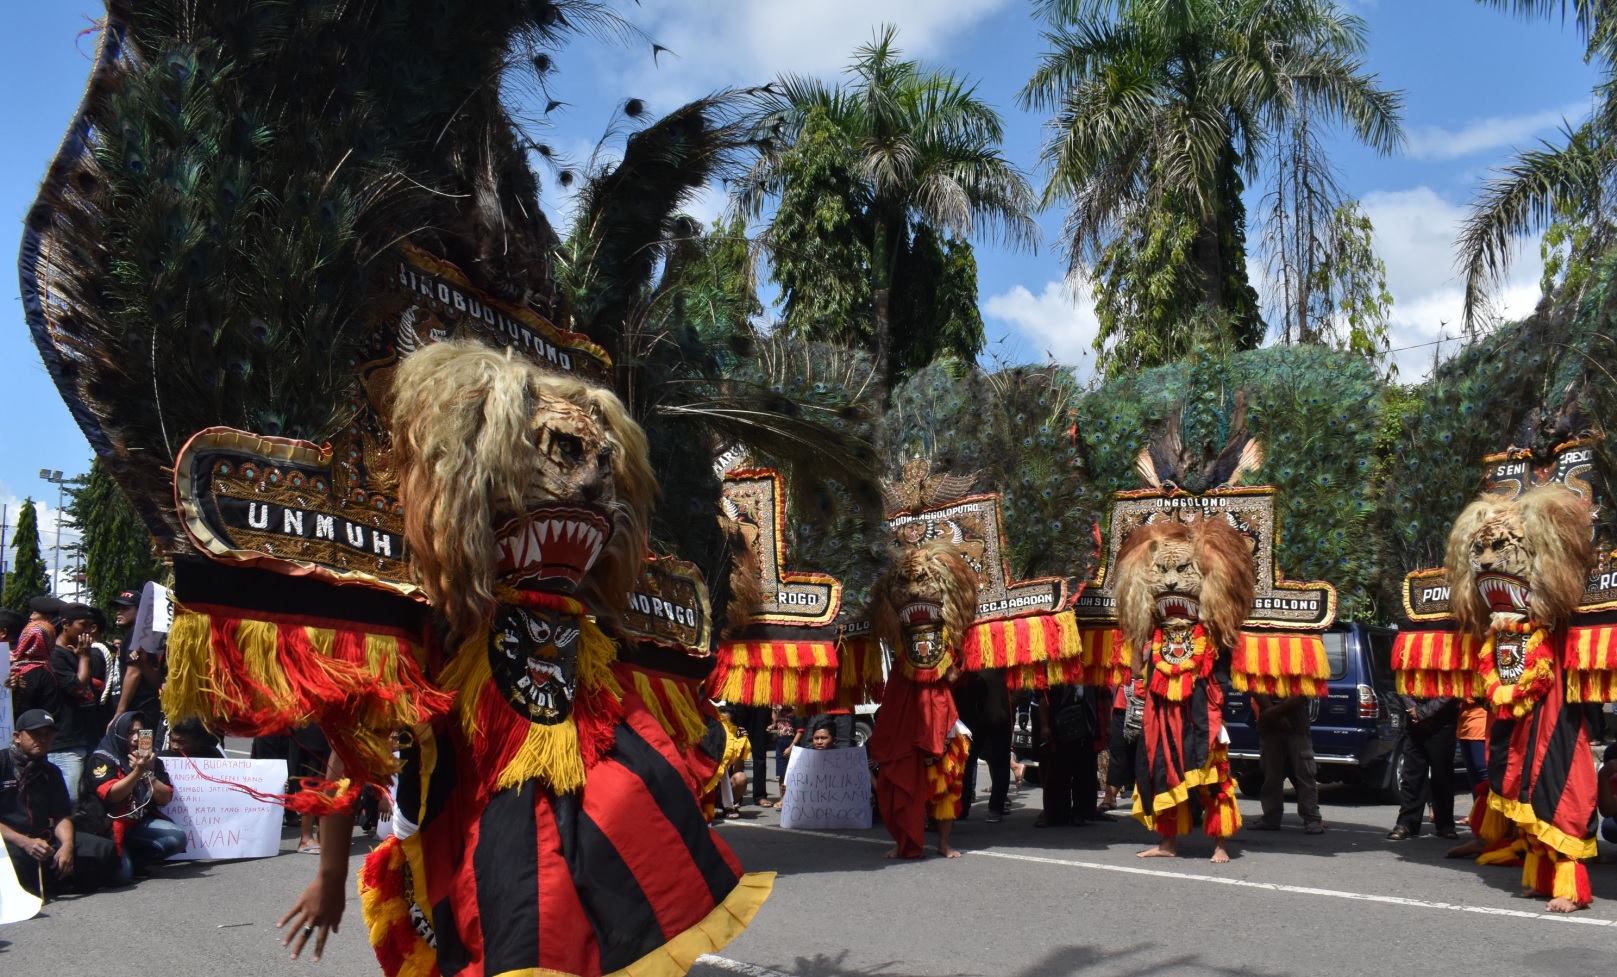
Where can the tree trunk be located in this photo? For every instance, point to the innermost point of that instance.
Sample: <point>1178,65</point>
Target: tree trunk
<point>881,316</point>
<point>1209,258</point>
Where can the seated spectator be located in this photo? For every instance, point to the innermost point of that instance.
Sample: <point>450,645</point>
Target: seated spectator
<point>133,785</point>
<point>192,739</point>
<point>34,816</point>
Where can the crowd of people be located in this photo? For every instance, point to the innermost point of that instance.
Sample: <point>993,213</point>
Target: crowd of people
<point>83,783</point>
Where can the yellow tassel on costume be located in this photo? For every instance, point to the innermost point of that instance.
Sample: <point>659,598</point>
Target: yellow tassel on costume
<point>188,691</point>
<point>687,718</point>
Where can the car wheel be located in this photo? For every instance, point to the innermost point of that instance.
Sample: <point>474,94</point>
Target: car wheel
<point>1249,782</point>
<point>1387,793</point>
<point>861,733</point>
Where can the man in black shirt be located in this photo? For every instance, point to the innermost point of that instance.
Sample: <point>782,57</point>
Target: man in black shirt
<point>73,663</point>
<point>34,814</point>
<point>142,665</point>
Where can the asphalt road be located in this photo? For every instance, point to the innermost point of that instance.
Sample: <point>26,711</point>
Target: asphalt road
<point>1059,902</point>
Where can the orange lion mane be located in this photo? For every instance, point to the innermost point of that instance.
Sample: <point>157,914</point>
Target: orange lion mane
<point>932,569</point>
<point>1555,526</point>
<point>1229,580</point>
<point>465,447</point>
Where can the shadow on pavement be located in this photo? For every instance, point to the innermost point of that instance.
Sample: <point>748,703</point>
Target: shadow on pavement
<point>1075,960</point>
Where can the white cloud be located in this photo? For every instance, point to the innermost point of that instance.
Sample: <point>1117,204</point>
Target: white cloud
<point>1479,135</point>
<point>1055,323</point>
<point>46,515</point>
<point>1415,231</point>
<point>747,42</point>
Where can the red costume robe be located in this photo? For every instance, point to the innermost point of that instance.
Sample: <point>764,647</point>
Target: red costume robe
<point>922,765</point>
<point>1181,746</point>
<point>1541,777</point>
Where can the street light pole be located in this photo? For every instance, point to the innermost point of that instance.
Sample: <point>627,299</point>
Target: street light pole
<point>56,479</point>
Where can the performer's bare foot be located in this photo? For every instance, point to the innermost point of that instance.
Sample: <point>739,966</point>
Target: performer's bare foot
<point>1473,847</point>
<point>945,828</point>
<point>1168,848</point>
<point>1221,854</point>
<point>891,852</point>
<point>948,852</point>
<point>1564,905</point>
<point>1528,894</point>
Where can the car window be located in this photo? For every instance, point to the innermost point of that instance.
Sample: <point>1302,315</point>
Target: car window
<point>1336,653</point>
<point>1381,652</point>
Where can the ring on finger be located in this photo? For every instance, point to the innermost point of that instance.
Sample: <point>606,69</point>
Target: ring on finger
<point>308,930</point>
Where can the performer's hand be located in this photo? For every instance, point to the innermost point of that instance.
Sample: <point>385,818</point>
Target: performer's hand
<point>317,912</point>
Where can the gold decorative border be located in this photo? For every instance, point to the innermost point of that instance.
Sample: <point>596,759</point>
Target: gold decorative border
<point>834,604</point>
<point>284,451</point>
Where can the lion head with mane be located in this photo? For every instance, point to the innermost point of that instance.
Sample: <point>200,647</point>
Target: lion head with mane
<point>923,604</point>
<point>1527,557</point>
<point>514,475</point>
<point>1178,573</point>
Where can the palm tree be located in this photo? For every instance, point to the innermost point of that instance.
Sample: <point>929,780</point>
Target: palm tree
<point>1573,180</point>
<point>1160,112</point>
<point>910,146</point>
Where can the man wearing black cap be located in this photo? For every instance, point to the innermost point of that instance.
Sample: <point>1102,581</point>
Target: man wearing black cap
<point>142,671</point>
<point>34,815</point>
<point>73,665</point>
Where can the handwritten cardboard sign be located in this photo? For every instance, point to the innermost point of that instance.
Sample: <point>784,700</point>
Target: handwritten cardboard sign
<point>826,789</point>
<point>219,820</point>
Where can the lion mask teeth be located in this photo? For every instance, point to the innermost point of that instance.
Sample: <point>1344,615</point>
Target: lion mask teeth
<point>919,613</point>
<point>552,546</point>
<point>1504,592</point>
<point>1178,607</point>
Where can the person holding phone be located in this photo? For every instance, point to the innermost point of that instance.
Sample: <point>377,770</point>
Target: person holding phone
<point>128,776</point>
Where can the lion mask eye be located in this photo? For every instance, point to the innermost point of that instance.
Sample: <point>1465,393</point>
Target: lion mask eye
<point>566,448</point>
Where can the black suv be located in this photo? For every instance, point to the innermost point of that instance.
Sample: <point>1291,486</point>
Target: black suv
<point>1356,726</point>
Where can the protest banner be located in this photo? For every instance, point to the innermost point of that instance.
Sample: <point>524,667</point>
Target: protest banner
<point>219,820</point>
<point>826,789</point>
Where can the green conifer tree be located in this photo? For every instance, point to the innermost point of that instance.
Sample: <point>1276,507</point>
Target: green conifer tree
<point>117,546</point>
<point>28,578</point>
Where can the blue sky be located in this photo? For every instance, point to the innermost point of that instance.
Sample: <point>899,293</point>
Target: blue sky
<point>1477,84</point>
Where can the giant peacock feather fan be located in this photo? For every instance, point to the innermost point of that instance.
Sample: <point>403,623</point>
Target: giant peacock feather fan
<point>207,240</point>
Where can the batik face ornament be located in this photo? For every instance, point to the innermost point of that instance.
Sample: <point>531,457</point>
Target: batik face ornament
<point>533,654</point>
<point>922,626</point>
<point>1178,644</point>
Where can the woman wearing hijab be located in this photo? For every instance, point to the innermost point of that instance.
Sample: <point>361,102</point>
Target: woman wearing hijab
<point>133,785</point>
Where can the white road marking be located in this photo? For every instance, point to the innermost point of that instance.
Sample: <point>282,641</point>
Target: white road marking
<point>238,752</point>
<point>1581,918</point>
<point>738,967</point>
